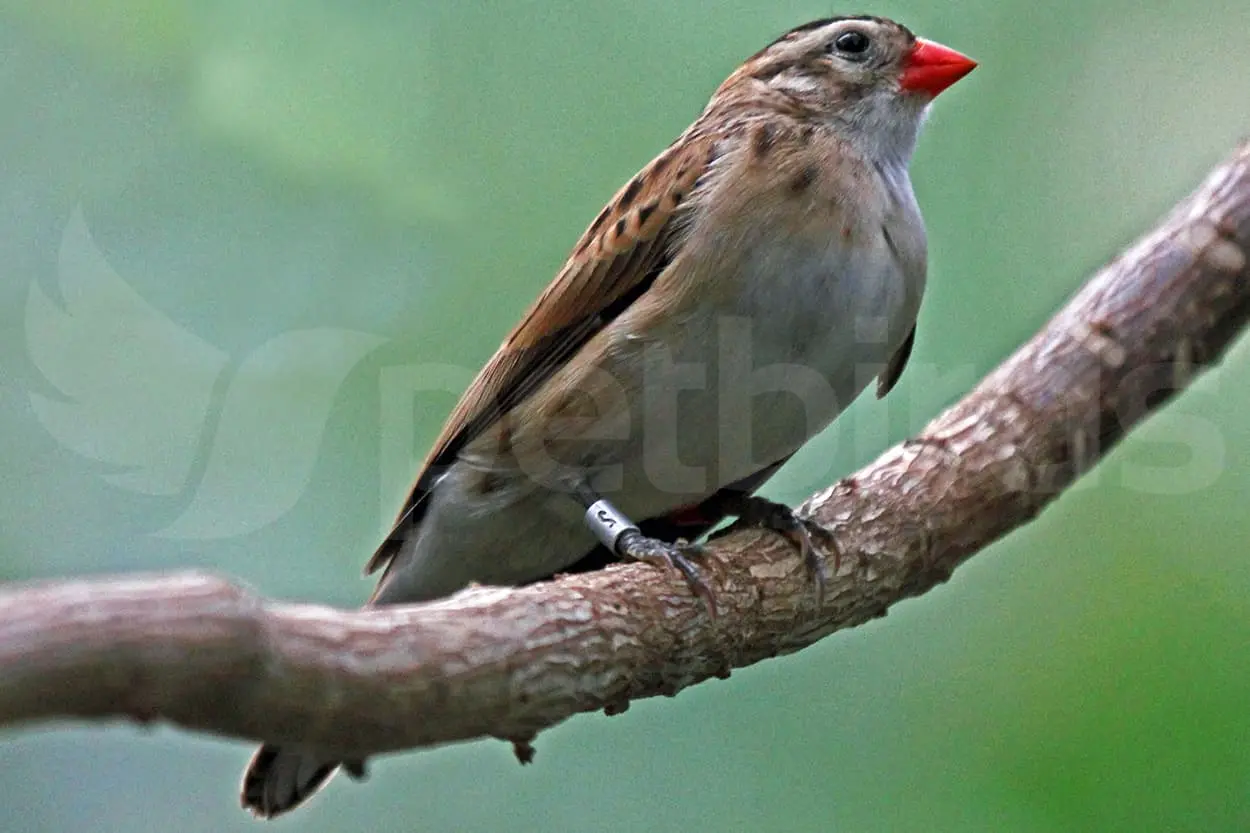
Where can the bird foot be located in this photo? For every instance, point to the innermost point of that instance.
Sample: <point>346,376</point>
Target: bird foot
<point>777,517</point>
<point>638,547</point>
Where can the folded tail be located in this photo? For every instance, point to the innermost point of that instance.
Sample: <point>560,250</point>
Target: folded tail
<point>279,779</point>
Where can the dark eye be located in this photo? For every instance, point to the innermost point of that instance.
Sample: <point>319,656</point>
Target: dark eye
<point>852,43</point>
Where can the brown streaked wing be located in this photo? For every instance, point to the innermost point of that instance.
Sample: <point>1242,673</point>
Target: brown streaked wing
<point>614,263</point>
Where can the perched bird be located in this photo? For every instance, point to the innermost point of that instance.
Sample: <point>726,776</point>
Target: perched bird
<point>726,305</point>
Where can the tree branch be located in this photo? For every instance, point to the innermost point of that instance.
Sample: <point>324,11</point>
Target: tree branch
<point>208,655</point>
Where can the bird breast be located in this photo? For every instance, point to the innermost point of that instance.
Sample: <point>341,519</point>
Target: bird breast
<point>814,295</point>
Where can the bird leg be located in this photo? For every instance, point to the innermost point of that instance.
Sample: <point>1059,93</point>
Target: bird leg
<point>622,536</point>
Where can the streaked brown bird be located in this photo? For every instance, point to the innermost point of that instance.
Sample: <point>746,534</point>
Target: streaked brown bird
<point>724,307</point>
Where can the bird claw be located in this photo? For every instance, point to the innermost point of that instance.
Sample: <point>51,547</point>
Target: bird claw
<point>800,532</point>
<point>638,547</point>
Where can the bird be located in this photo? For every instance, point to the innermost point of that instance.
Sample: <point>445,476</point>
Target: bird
<point>726,305</point>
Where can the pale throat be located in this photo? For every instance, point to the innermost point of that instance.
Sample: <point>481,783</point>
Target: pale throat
<point>886,131</point>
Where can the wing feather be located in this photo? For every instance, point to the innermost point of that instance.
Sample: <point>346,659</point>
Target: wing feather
<point>898,362</point>
<point>613,264</point>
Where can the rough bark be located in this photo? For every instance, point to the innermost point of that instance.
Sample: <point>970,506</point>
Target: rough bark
<point>208,655</point>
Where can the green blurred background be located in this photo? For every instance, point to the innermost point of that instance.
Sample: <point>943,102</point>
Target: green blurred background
<point>252,251</point>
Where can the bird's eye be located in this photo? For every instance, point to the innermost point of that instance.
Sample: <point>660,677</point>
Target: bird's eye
<point>853,42</point>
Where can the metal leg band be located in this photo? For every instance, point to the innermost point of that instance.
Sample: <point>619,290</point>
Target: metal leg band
<point>608,524</point>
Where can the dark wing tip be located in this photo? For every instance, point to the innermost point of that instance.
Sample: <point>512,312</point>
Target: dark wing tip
<point>414,507</point>
<point>898,363</point>
<point>384,553</point>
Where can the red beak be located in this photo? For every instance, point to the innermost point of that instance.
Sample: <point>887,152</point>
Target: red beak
<point>931,67</point>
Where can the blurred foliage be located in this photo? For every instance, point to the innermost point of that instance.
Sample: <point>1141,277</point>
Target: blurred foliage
<point>285,185</point>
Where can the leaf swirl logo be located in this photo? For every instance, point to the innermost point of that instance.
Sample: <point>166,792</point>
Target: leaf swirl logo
<point>165,413</point>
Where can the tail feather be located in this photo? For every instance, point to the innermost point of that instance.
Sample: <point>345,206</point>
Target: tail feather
<point>279,779</point>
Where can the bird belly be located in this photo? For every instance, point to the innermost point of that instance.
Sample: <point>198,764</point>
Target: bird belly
<point>738,386</point>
